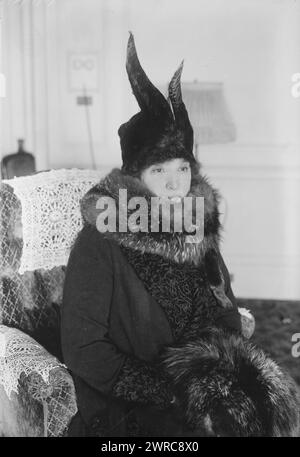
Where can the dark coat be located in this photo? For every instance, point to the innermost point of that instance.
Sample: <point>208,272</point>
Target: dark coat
<point>108,316</point>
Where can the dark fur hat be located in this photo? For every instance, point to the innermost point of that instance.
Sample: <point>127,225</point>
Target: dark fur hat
<point>161,130</point>
<point>227,385</point>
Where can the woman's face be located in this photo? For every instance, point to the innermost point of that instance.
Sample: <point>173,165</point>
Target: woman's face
<point>170,179</point>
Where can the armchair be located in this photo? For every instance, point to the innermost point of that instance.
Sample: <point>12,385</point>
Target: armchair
<point>39,220</point>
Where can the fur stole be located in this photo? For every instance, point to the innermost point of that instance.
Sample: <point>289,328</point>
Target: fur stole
<point>171,245</point>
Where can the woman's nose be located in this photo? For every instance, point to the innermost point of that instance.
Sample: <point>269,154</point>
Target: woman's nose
<point>172,183</point>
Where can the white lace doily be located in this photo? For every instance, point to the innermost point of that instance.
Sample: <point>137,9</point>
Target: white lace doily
<point>19,353</point>
<point>51,216</point>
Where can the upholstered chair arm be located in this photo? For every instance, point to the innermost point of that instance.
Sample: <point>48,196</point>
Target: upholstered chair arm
<point>37,394</point>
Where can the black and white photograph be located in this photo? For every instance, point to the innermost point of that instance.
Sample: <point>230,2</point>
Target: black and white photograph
<point>149,221</point>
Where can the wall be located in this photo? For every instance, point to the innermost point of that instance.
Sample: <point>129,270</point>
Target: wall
<point>40,37</point>
<point>251,46</point>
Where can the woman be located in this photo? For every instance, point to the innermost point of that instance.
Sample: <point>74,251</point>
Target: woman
<point>130,294</point>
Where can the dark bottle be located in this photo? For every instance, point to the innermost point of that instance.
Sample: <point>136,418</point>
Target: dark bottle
<point>20,163</point>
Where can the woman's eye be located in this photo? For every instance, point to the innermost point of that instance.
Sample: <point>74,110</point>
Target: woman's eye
<point>184,168</point>
<point>156,170</point>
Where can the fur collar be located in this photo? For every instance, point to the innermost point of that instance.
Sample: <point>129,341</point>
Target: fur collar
<point>170,245</point>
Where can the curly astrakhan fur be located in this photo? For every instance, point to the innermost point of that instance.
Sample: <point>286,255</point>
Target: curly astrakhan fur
<point>226,380</point>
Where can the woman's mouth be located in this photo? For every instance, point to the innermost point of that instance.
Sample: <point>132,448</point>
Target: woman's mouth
<point>173,199</point>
